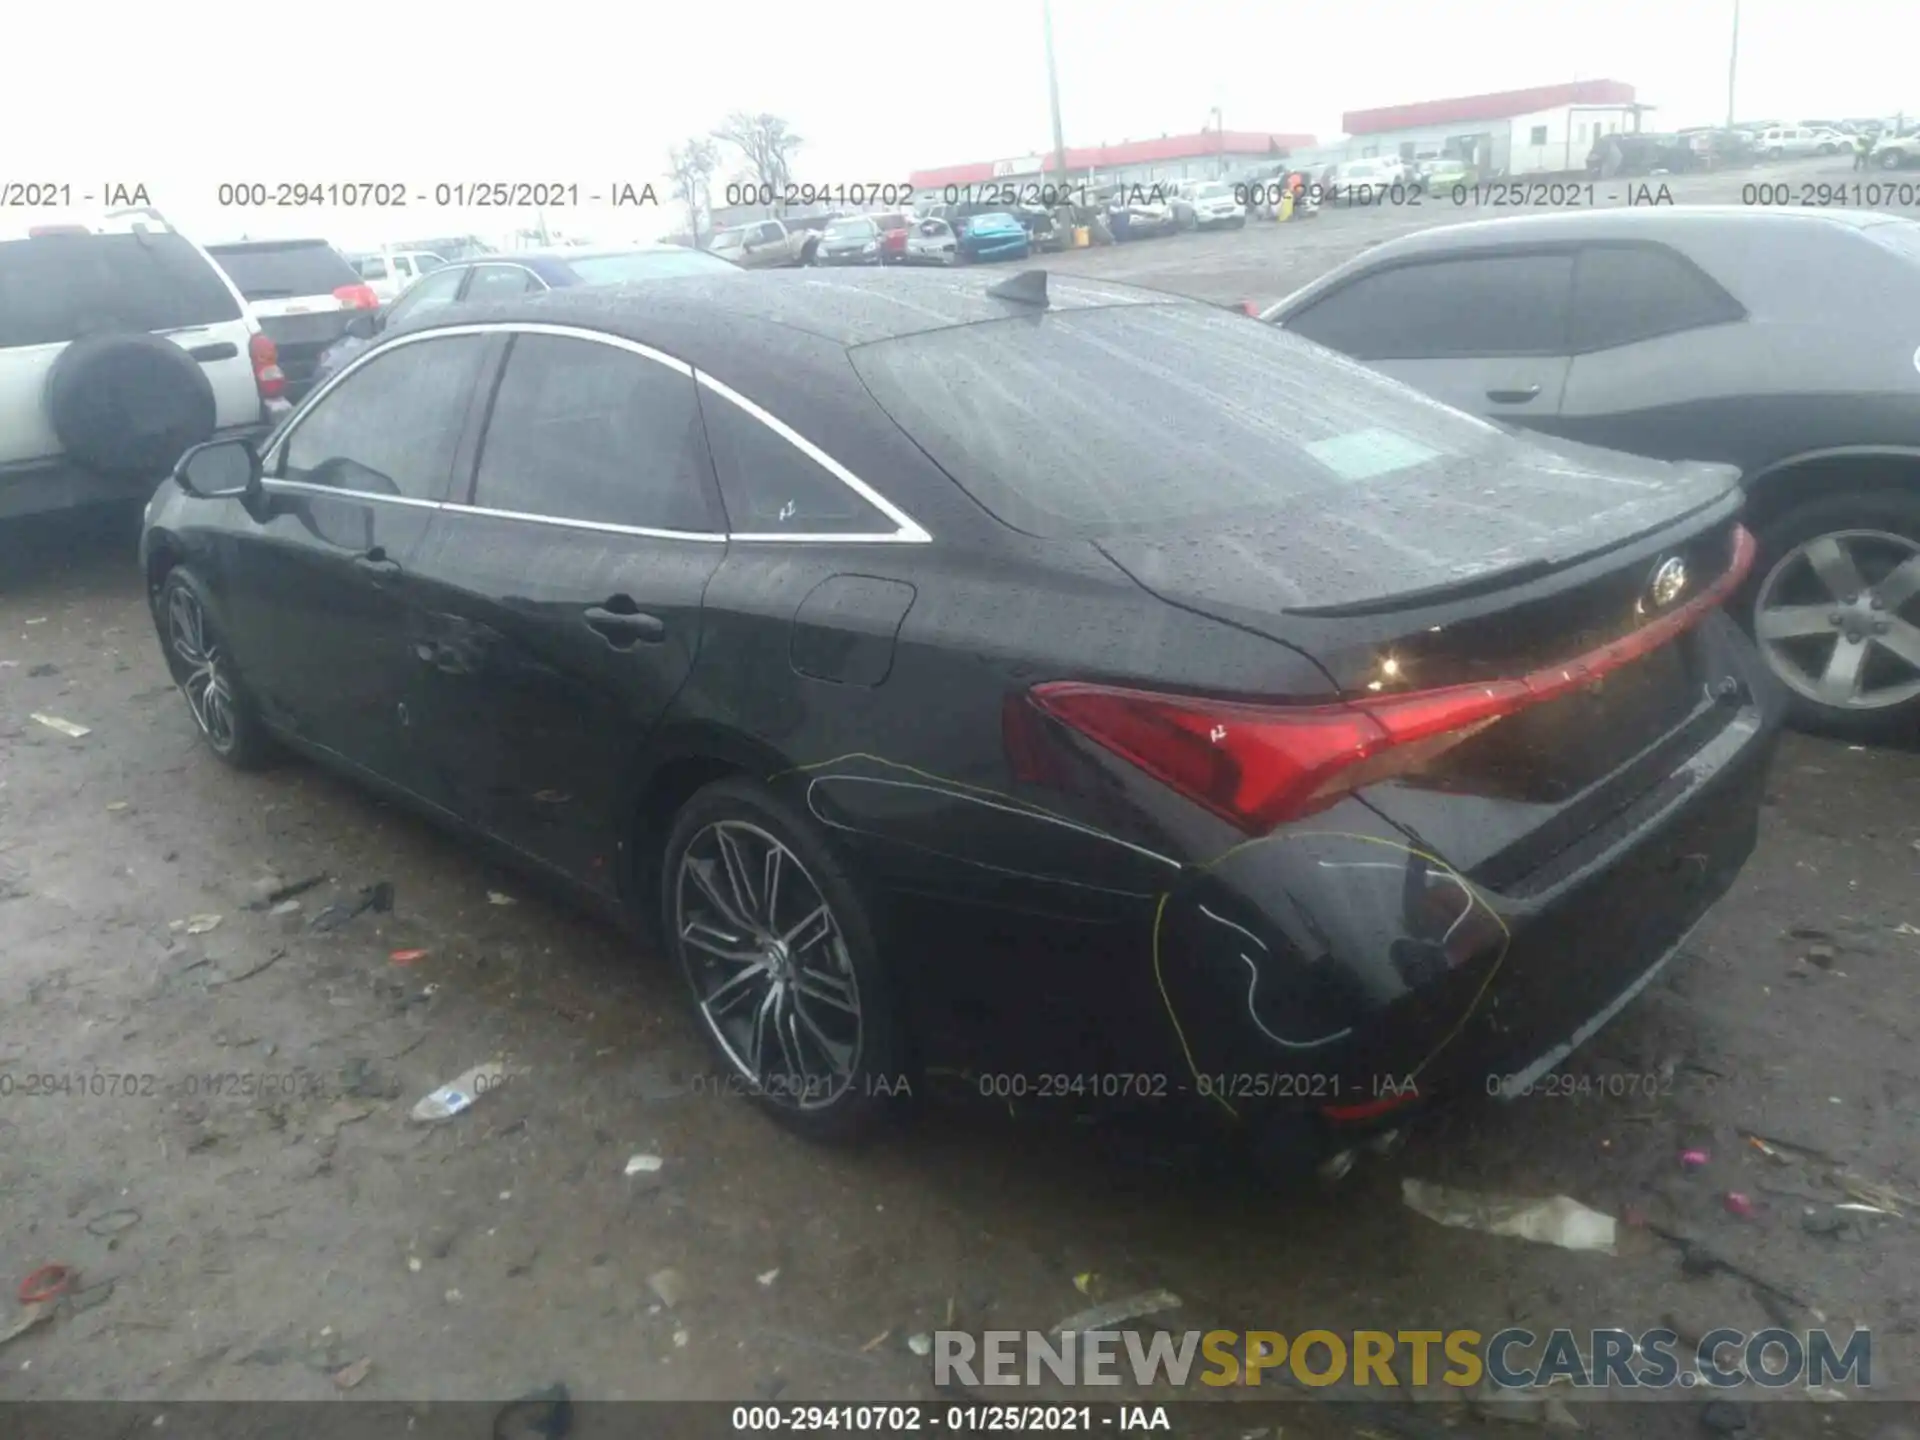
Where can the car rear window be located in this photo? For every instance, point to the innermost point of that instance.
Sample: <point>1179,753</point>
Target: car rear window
<point>645,265</point>
<point>1095,422</point>
<point>60,287</point>
<point>283,269</point>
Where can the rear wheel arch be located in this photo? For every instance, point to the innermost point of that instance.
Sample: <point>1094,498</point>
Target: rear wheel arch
<point>666,777</point>
<point>1819,475</point>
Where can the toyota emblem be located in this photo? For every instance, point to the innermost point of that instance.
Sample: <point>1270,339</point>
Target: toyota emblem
<point>1669,582</point>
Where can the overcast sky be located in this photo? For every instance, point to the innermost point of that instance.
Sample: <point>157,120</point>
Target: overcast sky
<point>186,96</point>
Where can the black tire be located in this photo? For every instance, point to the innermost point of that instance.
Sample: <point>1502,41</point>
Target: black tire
<point>129,405</point>
<point>873,1091</point>
<point>1892,160</point>
<point>1895,512</point>
<point>216,698</point>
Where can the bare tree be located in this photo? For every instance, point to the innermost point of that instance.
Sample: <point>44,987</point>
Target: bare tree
<point>692,165</point>
<point>766,144</point>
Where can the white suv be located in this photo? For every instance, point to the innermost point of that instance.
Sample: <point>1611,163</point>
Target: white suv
<point>122,344</point>
<point>1786,142</point>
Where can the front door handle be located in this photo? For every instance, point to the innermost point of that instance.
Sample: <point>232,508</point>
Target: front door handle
<point>1514,397</point>
<point>376,562</point>
<point>624,628</point>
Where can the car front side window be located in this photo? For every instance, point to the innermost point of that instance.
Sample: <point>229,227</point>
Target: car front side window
<point>391,426</point>
<point>1514,304</point>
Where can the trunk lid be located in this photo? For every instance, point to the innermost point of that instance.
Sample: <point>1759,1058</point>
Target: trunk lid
<point>1506,802</point>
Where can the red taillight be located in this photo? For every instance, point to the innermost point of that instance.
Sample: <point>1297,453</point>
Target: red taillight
<point>1261,765</point>
<point>266,367</point>
<point>357,297</point>
<point>1247,307</point>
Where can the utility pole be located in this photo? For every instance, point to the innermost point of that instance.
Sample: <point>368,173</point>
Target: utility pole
<point>1053,97</point>
<point>1733,62</point>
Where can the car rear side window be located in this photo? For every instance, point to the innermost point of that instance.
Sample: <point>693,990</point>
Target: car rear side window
<point>496,282</point>
<point>283,269</point>
<point>1083,423</point>
<point>770,486</point>
<point>586,431</point>
<point>1626,293</point>
<point>56,288</point>
<point>1442,309</point>
<point>392,426</point>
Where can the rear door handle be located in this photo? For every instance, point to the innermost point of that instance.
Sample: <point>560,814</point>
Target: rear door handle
<point>1514,397</point>
<point>622,629</point>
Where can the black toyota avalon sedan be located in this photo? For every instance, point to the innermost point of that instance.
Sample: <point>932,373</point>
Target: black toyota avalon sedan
<point>1098,693</point>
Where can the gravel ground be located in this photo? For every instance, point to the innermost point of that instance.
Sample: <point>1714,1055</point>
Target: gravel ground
<point>226,1162</point>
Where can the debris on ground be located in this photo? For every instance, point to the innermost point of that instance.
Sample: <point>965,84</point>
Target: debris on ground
<point>114,1222</point>
<point>1085,1282</point>
<point>920,1344</point>
<point>45,1285</point>
<point>353,1374</point>
<point>1739,1203</point>
<point>201,924</point>
<point>1117,1312</point>
<point>458,1095</point>
<point>377,897</point>
<point>267,964</point>
<point>1694,1159</point>
<point>669,1285</point>
<point>544,1415</point>
<point>498,897</point>
<point>1560,1221</point>
<point>1534,1405</point>
<point>280,894</point>
<point>643,1164</point>
<point>114,807</point>
<point>767,1277</point>
<point>340,1113</point>
<point>876,1342</point>
<point>65,727</point>
<point>29,1317</point>
<point>1821,957</point>
<point>285,907</point>
<point>407,957</point>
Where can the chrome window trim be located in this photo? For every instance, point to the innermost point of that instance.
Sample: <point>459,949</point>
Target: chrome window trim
<point>605,527</point>
<point>307,487</point>
<point>908,531</point>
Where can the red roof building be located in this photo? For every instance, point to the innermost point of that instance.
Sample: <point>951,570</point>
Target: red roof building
<point>1477,109</point>
<point>1167,150</point>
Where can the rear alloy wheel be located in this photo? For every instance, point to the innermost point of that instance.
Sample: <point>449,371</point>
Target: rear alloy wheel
<point>1837,615</point>
<point>780,956</point>
<point>204,671</point>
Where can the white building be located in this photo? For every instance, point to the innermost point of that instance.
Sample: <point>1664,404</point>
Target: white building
<point>1512,132</point>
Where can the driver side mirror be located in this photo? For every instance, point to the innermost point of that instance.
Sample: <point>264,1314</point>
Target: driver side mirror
<point>219,470</point>
<point>365,324</point>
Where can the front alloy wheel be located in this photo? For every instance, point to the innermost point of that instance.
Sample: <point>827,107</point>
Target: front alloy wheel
<point>1837,621</point>
<point>201,666</point>
<point>198,667</point>
<point>769,965</point>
